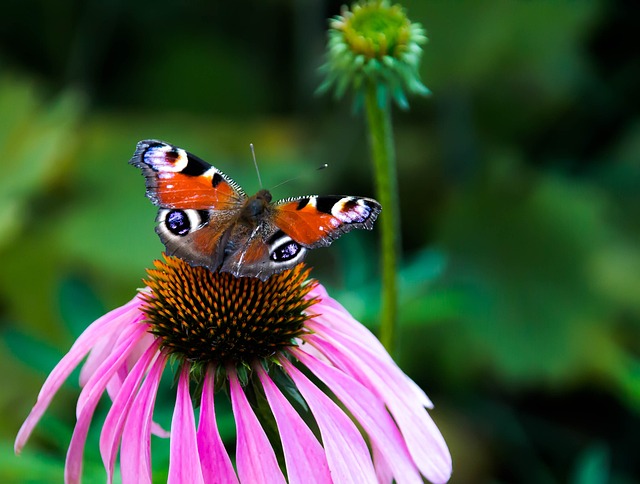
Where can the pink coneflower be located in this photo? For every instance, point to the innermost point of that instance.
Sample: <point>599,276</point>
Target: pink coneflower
<point>356,417</point>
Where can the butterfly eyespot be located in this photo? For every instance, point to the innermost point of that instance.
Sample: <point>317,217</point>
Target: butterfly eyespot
<point>178,222</point>
<point>286,251</point>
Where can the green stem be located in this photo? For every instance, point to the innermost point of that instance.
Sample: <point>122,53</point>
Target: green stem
<point>384,160</point>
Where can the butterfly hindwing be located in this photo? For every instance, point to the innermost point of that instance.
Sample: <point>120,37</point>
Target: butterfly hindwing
<point>190,235</point>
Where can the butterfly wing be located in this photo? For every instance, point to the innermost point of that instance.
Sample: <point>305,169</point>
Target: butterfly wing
<point>177,179</point>
<point>316,221</point>
<point>190,235</point>
<point>198,203</point>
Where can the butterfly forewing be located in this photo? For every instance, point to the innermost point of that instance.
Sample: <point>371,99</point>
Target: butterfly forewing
<point>315,221</point>
<point>177,179</point>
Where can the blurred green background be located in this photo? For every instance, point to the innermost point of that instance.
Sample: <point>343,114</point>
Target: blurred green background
<point>520,188</point>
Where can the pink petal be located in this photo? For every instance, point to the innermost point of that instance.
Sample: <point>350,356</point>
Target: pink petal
<point>302,451</point>
<point>337,323</point>
<point>255,458</point>
<point>318,291</point>
<point>347,454</point>
<point>158,431</point>
<point>184,463</point>
<point>216,464</point>
<point>114,423</point>
<point>135,450</point>
<point>142,346</point>
<point>90,396</point>
<point>98,354</point>
<point>372,415</point>
<point>67,364</point>
<point>127,314</point>
<point>333,315</point>
<point>115,384</point>
<point>383,471</point>
<point>116,381</point>
<point>113,387</point>
<point>424,441</point>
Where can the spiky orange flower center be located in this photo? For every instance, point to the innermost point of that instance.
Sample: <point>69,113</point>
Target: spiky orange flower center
<point>213,317</point>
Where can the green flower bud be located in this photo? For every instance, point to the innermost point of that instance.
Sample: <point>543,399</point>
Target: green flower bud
<point>374,42</point>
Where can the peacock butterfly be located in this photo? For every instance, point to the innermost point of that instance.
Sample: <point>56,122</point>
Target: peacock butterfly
<point>207,219</point>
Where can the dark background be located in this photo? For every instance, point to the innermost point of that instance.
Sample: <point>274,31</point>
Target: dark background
<point>519,180</point>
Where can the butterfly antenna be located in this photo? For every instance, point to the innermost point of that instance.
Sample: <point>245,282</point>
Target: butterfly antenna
<point>255,163</point>
<point>321,167</point>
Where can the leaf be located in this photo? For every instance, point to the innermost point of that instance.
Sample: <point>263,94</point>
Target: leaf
<point>38,355</point>
<point>593,465</point>
<point>29,467</point>
<point>79,304</point>
<point>37,140</point>
<point>522,260</point>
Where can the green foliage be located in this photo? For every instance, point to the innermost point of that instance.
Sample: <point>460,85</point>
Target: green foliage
<point>35,139</point>
<point>529,300</point>
<point>31,468</point>
<point>593,466</point>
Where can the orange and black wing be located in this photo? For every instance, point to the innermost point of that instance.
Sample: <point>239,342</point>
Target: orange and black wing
<point>316,221</point>
<point>178,179</point>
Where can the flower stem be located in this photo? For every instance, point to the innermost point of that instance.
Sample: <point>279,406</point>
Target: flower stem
<point>384,160</point>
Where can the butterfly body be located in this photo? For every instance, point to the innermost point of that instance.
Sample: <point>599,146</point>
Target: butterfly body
<point>255,207</point>
<point>207,219</point>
